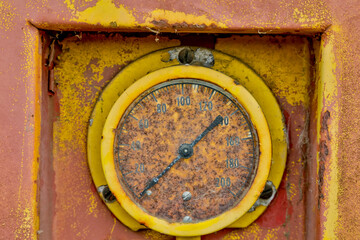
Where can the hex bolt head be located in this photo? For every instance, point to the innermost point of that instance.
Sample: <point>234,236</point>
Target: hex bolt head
<point>106,194</point>
<point>186,56</point>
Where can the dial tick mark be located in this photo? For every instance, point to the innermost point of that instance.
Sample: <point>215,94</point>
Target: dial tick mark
<point>154,96</point>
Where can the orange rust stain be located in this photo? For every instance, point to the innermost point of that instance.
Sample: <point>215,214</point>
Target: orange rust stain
<point>217,166</point>
<point>251,16</point>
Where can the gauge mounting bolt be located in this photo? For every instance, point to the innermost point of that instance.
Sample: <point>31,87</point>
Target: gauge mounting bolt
<point>187,219</point>
<point>106,194</point>
<point>186,196</point>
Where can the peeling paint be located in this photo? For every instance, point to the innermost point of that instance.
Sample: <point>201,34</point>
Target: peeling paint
<point>121,16</point>
<point>114,15</point>
<point>80,75</point>
<point>74,84</point>
<point>84,68</point>
<point>240,16</point>
<point>328,95</point>
<point>287,80</point>
<point>179,20</point>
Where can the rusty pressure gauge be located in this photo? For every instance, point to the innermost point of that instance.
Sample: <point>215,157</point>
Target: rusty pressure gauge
<point>183,154</point>
<point>185,150</point>
<point>184,145</point>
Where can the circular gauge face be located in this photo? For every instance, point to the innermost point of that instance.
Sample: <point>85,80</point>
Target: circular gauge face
<point>186,151</point>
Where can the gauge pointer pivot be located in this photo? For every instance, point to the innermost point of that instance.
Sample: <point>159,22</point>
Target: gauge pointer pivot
<point>185,151</point>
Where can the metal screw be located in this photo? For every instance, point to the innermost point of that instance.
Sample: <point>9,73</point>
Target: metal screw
<point>186,56</point>
<point>186,196</point>
<point>187,219</point>
<point>266,196</point>
<point>106,194</point>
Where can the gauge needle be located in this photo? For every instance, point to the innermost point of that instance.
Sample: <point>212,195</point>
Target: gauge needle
<point>185,151</point>
<point>216,122</point>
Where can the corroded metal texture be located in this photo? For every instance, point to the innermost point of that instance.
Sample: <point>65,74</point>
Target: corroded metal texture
<point>334,112</point>
<point>220,168</point>
<point>87,60</point>
<point>185,16</point>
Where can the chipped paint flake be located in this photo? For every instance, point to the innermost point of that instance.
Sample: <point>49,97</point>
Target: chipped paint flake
<point>287,80</point>
<point>84,68</point>
<point>89,57</point>
<point>328,99</point>
<point>114,15</point>
<point>177,19</point>
<point>122,17</point>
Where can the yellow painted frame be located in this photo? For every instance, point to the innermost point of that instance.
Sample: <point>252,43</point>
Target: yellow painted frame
<point>244,98</point>
<point>241,73</point>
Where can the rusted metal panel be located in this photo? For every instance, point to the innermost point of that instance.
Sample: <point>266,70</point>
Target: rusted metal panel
<point>20,92</point>
<point>20,125</point>
<point>84,68</point>
<point>86,65</point>
<point>285,217</point>
<point>187,16</point>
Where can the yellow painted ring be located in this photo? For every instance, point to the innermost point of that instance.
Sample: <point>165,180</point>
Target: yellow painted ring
<point>244,98</point>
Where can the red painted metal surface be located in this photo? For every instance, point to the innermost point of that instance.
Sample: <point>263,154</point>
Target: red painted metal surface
<point>22,90</point>
<point>71,207</point>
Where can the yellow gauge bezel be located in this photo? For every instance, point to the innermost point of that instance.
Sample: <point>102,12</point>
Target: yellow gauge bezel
<point>256,115</point>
